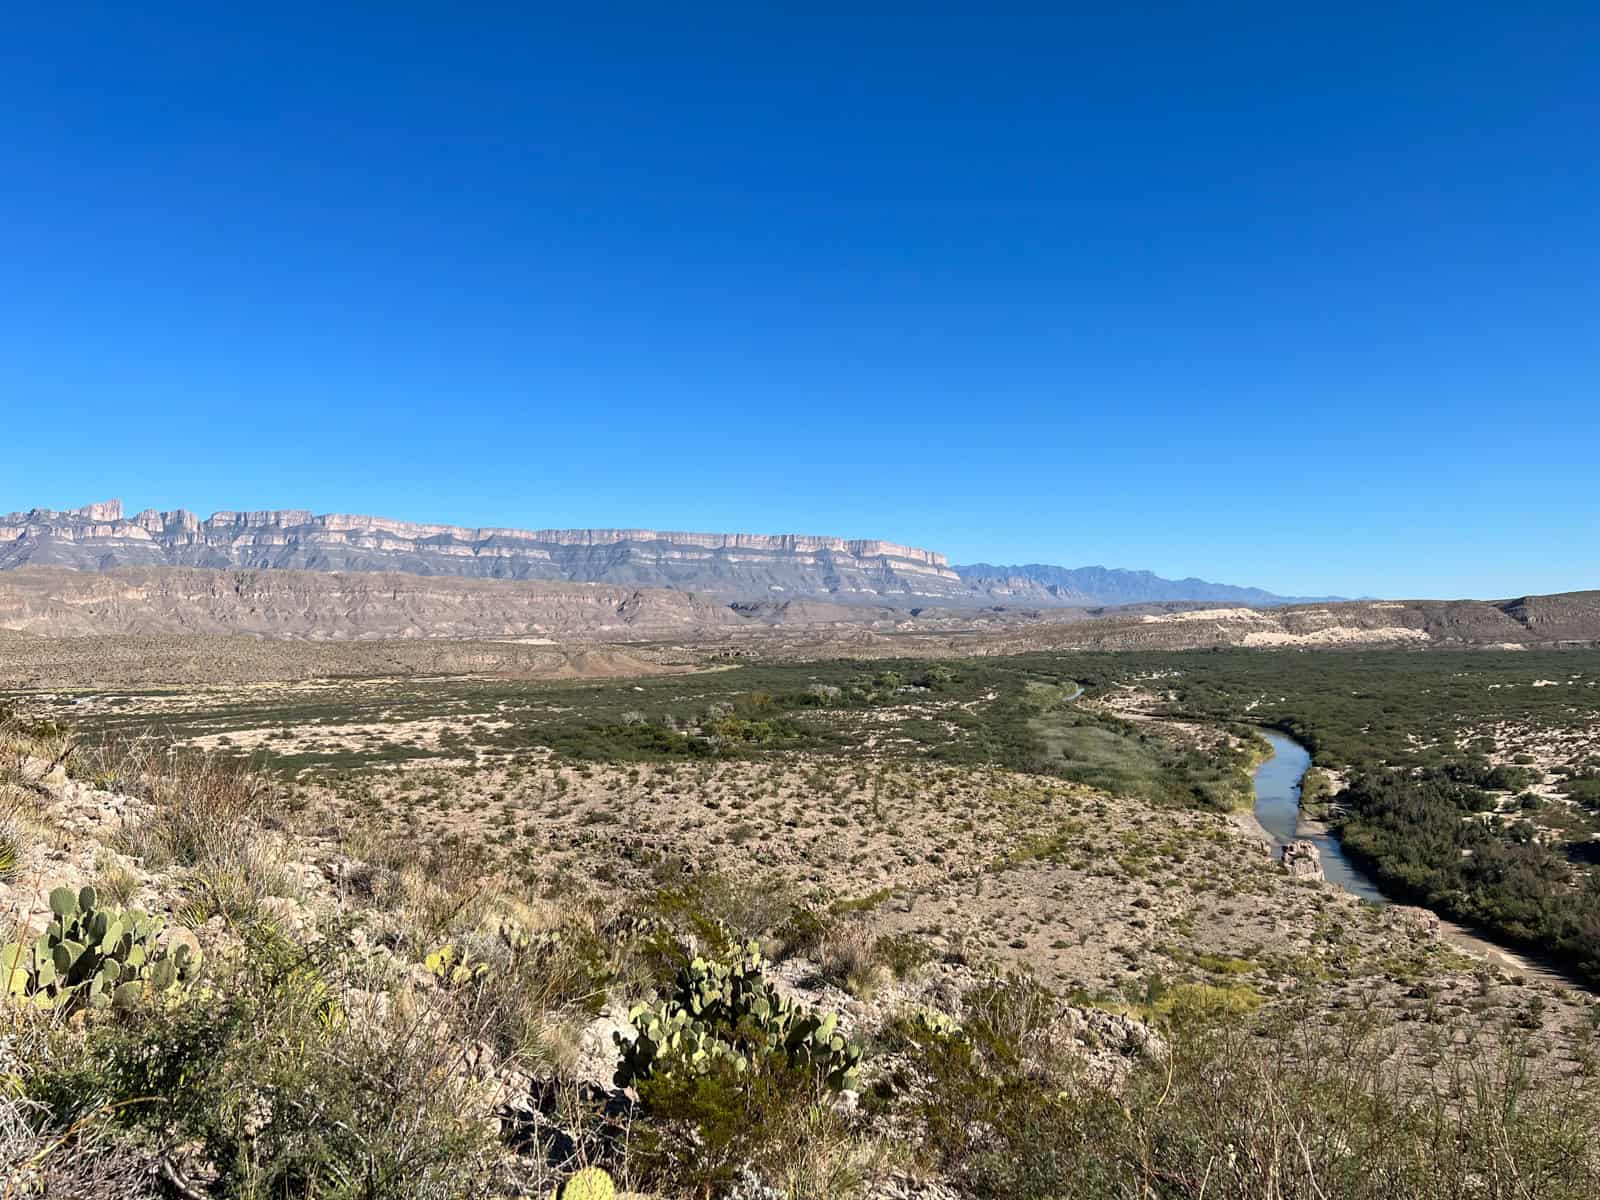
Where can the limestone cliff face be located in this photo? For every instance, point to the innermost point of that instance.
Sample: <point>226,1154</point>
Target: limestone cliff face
<point>99,537</point>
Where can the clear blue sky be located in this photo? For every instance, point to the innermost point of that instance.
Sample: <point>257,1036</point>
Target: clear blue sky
<point>1306,297</point>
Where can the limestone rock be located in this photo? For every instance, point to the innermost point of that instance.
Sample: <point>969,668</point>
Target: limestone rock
<point>1302,860</point>
<point>1419,919</point>
<point>1118,1032</point>
<point>597,1050</point>
<point>289,915</point>
<point>42,773</point>
<point>87,811</point>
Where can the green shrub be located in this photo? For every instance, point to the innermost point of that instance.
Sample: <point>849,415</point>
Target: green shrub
<point>701,1133</point>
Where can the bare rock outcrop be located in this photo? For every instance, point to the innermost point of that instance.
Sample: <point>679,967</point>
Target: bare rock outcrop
<point>1302,860</point>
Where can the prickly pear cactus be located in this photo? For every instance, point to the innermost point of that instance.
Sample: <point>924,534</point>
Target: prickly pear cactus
<point>515,936</point>
<point>728,1012</point>
<point>451,965</point>
<point>937,1023</point>
<point>591,1183</point>
<point>94,957</point>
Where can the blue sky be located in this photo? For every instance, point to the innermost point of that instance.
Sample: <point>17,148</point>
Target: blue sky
<point>1306,298</point>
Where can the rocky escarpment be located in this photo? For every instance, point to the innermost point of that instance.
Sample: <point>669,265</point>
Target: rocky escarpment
<point>54,602</point>
<point>99,536</point>
<point>338,606</point>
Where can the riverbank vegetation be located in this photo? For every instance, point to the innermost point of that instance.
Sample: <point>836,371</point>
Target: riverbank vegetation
<point>1472,780</point>
<point>1433,839</point>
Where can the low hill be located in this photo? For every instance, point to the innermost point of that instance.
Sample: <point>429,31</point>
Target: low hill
<point>373,606</point>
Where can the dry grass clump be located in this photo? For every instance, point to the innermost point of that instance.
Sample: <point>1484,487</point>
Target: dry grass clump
<point>849,955</point>
<point>432,890</point>
<point>30,750</point>
<point>1236,1110</point>
<point>28,753</point>
<point>205,816</point>
<point>14,837</point>
<point>115,882</point>
<point>853,953</point>
<point>538,972</point>
<point>204,808</point>
<point>534,969</point>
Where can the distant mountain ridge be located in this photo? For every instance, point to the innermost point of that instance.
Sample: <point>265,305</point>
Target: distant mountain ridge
<point>1112,586</point>
<point>732,566</point>
<point>99,537</point>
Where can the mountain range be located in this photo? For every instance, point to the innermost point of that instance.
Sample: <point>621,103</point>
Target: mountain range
<point>731,566</point>
<point>94,572</point>
<point>1105,586</point>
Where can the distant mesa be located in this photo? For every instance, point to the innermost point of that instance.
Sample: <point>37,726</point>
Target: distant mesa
<point>743,566</point>
<point>100,537</point>
<point>290,573</point>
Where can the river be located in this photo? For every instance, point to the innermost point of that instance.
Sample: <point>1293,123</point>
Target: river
<point>1277,784</point>
<point>1277,810</point>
